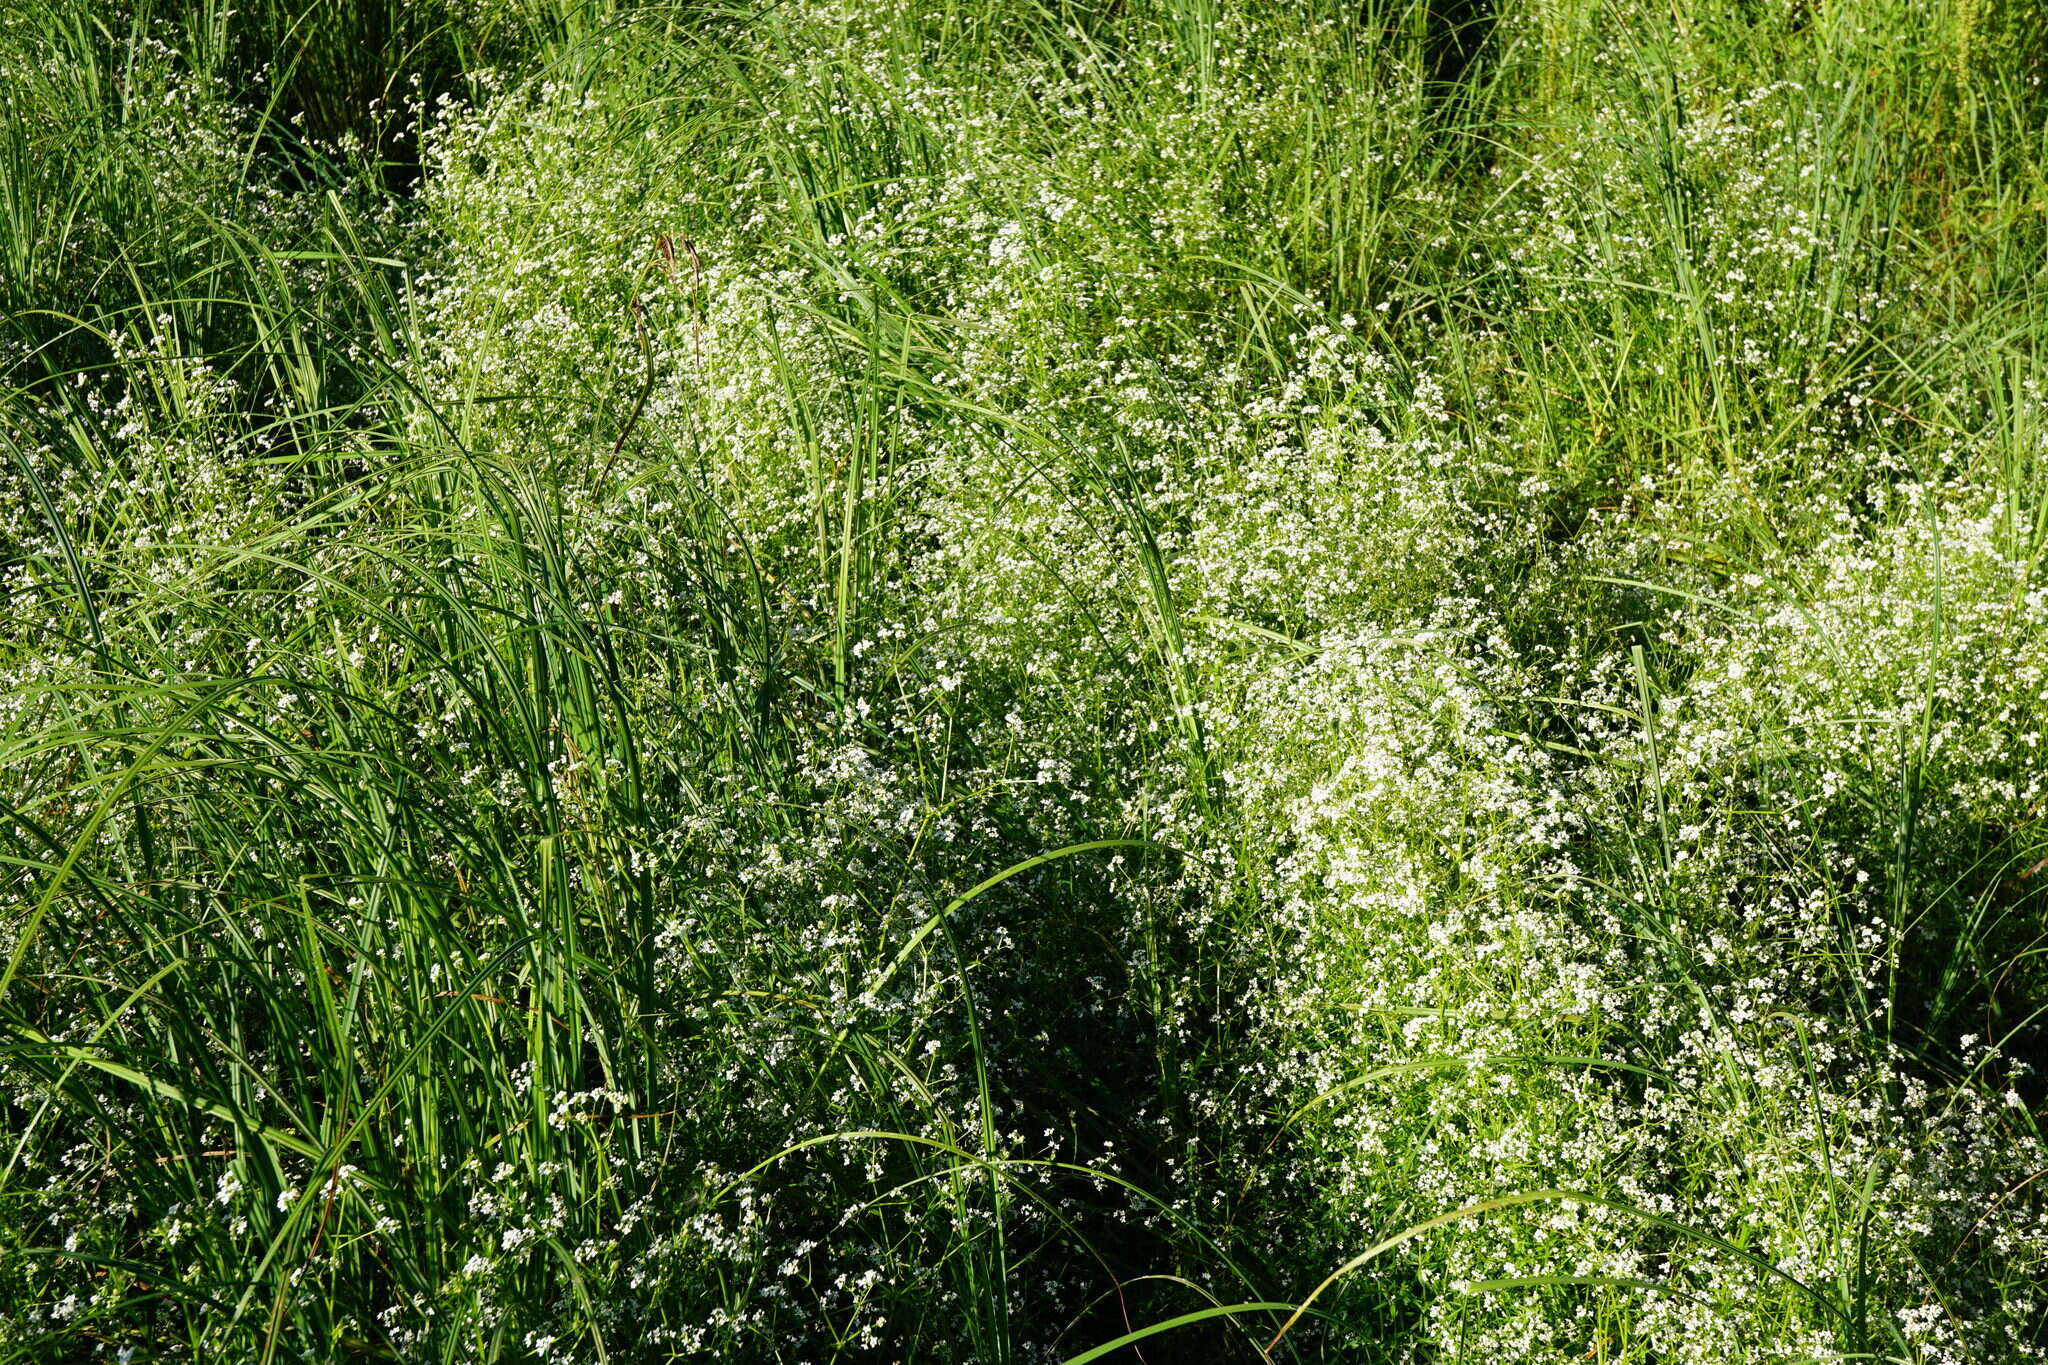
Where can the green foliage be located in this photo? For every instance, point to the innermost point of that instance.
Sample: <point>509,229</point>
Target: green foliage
<point>1023,682</point>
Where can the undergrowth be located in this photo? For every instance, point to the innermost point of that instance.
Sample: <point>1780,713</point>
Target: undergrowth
<point>1205,680</point>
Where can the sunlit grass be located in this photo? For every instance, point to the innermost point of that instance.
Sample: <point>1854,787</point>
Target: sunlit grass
<point>1189,680</point>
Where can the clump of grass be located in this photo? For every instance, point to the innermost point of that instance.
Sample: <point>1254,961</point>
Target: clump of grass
<point>1220,681</point>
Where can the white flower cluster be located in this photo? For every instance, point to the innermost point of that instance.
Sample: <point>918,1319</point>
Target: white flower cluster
<point>883,683</point>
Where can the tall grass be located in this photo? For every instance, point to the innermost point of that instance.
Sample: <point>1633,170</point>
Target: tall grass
<point>1022,682</point>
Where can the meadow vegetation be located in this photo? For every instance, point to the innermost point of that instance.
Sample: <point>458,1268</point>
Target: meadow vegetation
<point>1022,681</point>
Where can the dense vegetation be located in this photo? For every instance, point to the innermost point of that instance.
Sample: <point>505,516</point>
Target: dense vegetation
<point>1023,681</point>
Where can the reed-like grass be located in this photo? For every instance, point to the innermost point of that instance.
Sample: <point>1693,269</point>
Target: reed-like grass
<point>1182,680</point>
